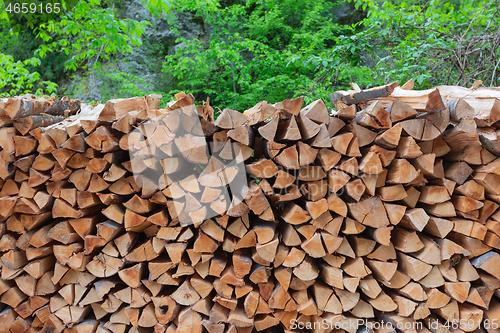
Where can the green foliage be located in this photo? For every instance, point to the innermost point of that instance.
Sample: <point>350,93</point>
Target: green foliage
<point>159,7</point>
<point>22,45</point>
<point>274,50</point>
<point>113,83</point>
<point>16,79</point>
<point>4,15</point>
<point>255,50</point>
<point>83,32</point>
<point>247,56</point>
<point>126,85</point>
<point>434,43</point>
<point>88,33</point>
<point>438,43</point>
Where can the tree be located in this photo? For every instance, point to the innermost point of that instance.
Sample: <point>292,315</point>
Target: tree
<point>16,79</point>
<point>247,56</point>
<point>86,31</point>
<point>434,42</point>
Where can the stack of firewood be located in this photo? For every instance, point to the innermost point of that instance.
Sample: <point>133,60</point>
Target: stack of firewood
<point>127,217</point>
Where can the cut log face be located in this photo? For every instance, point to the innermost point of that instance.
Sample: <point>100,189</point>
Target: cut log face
<point>129,218</point>
<point>292,106</point>
<point>370,212</point>
<point>259,113</point>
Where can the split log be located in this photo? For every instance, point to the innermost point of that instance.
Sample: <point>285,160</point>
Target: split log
<point>116,108</point>
<point>28,105</point>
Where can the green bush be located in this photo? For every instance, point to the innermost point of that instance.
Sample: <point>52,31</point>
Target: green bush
<point>16,79</point>
<point>80,37</point>
<point>259,49</point>
<point>435,43</point>
<point>252,51</point>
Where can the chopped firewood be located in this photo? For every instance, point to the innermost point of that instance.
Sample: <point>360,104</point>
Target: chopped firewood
<point>124,217</point>
<point>26,124</point>
<point>259,113</point>
<point>351,97</point>
<point>116,108</point>
<point>374,116</point>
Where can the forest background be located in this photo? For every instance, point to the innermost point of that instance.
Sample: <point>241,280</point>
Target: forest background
<point>239,52</point>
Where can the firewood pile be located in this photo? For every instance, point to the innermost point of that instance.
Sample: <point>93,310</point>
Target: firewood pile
<point>127,217</point>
